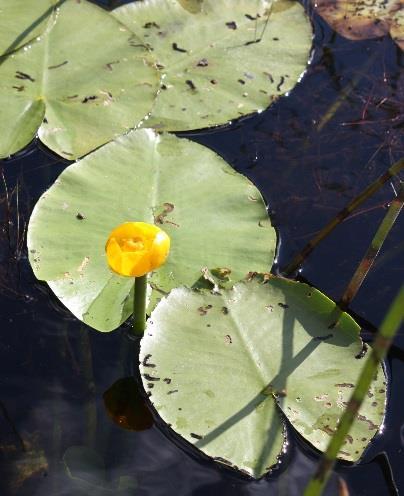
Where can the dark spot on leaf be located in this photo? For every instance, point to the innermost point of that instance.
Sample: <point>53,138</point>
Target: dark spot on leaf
<point>203,63</point>
<point>225,310</point>
<point>167,380</point>
<point>58,65</point>
<point>172,391</point>
<point>213,81</point>
<point>282,80</point>
<point>146,362</point>
<point>204,309</point>
<point>323,338</point>
<point>275,38</point>
<point>283,305</point>
<point>231,25</point>
<point>195,436</point>
<point>227,339</point>
<point>345,384</point>
<point>252,18</point>
<point>23,75</point>
<point>19,88</point>
<point>89,98</point>
<point>363,351</point>
<point>163,87</point>
<point>222,460</point>
<point>151,24</point>
<point>178,49</point>
<point>269,76</point>
<point>110,64</point>
<point>80,216</point>
<point>150,378</point>
<point>191,84</point>
<point>150,385</point>
<point>372,425</point>
<point>45,120</point>
<point>241,81</point>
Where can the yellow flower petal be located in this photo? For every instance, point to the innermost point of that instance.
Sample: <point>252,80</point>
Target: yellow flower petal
<point>136,248</point>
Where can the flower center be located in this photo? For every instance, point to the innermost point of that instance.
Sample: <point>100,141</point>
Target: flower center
<point>131,244</point>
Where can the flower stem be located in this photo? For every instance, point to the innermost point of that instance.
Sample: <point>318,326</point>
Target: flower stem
<point>139,305</point>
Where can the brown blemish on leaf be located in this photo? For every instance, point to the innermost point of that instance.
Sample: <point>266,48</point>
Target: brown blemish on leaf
<point>161,217</point>
<point>204,310</point>
<point>227,339</point>
<point>372,425</point>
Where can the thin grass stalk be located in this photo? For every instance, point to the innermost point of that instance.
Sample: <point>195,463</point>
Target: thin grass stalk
<point>300,257</point>
<point>382,342</point>
<point>367,262</point>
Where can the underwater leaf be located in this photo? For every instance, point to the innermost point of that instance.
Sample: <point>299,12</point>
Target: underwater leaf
<point>225,61</point>
<point>87,470</point>
<point>214,216</point>
<point>126,406</point>
<point>219,366</point>
<point>77,90</point>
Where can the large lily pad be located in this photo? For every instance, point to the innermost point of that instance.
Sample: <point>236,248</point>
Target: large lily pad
<point>220,59</point>
<point>219,367</point>
<point>214,216</point>
<point>77,91</point>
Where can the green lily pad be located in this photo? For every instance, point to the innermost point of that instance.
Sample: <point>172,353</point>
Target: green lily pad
<point>71,87</point>
<point>220,366</point>
<point>21,21</point>
<point>214,216</point>
<point>220,59</point>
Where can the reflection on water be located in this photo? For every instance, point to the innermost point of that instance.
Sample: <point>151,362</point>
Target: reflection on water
<point>54,370</point>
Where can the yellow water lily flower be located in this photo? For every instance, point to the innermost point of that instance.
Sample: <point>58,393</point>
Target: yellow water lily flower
<point>136,248</point>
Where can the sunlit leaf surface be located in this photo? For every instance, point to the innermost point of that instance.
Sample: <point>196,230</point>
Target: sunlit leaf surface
<point>219,366</point>
<point>220,59</point>
<point>70,85</point>
<point>214,216</point>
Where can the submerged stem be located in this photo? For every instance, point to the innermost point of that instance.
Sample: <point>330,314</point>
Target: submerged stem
<point>300,257</point>
<point>139,305</point>
<point>382,342</point>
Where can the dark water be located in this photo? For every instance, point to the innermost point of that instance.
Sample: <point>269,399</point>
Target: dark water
<point>54,370</point>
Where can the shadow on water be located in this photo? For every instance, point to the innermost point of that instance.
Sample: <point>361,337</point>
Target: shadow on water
<point>53,371</point>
